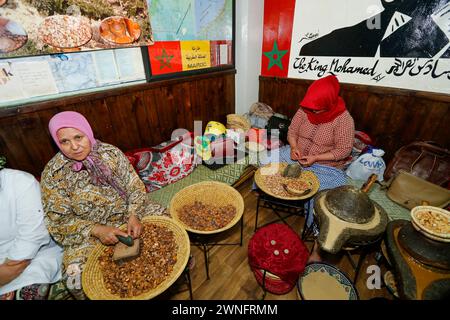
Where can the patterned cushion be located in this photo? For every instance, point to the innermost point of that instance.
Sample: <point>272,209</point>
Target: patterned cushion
<point>163,164</point>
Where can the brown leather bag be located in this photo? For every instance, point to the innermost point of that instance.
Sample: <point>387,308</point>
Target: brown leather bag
<point>423,159</point>
<point>409,191</point>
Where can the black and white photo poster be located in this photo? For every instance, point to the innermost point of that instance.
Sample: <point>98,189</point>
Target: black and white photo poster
<point>393,43</point>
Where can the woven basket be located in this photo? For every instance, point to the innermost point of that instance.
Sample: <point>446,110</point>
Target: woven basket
<point>209,193</point>
<point>92,278</point>
<point>273,168</point>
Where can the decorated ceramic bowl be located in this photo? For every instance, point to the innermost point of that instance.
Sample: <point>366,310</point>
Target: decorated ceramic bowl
<point>433,222</point>
<point>12,35</point>
<point>119,30</point>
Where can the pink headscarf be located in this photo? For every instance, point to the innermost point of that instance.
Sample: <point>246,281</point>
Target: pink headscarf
<point>70,119</point>
<point>100,173</point>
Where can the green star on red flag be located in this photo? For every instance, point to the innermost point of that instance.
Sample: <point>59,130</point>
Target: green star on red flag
<point>164,59</point>
<point>275,56</point>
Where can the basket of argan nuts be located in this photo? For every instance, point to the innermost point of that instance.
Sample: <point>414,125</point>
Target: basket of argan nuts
<point>270,179</point>
<point>207,207</point>
<point>164,253</point>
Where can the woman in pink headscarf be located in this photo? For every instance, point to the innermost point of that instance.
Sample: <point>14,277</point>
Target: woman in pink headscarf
<point>89,189</point>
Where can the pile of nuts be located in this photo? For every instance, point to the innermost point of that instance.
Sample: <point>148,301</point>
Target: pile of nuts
<point>434,222</point>
<point>298,185</point>
<point>275,184</point>
<point>158,255</point>
<point>65,31</point>
<point>203,217</point>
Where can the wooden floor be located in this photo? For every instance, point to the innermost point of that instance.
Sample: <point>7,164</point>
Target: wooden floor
<point>230,275</point>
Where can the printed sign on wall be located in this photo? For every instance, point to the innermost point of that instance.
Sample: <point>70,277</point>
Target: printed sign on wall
<point>402,44</point>
<point>195,55</point>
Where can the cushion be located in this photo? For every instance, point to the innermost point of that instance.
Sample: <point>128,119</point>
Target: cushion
<point>163,164</point>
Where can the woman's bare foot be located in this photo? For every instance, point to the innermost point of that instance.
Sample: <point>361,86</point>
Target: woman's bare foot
<point>315,255</point>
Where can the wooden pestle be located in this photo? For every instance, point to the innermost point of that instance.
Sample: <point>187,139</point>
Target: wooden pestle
<point>368,184</point>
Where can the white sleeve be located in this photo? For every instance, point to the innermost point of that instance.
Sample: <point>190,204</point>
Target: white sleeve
<point>31,231</point>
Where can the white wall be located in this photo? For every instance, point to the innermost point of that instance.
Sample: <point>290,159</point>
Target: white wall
<point>249,36</point>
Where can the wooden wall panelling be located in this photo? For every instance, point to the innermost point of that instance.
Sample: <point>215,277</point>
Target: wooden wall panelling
<point>151,108</point>
<point>123,119</point>
<point>353,101</point>
<point>34,137</point>
<point>13,146</point>
<point>182,107</point>
<point>214,101</point>
<point>97,112</point>
<point>418,111</point>
<point>144,125</point>
<point>439,116</point>
<point>45,116</point>
<point>229,96</point>
<point>165,114</point>
<point>174,119</point>
<point>198,103</point>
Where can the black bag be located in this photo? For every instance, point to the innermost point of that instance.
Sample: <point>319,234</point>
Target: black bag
<point>281,124</point>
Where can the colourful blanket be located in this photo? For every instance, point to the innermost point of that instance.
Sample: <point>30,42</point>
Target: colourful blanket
<point>227,174</point>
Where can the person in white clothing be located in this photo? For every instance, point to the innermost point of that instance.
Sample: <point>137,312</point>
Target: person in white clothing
<point>29,259</point>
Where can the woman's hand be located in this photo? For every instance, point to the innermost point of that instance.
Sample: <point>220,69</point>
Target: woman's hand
<point>107,234</point>
<point>11,269</point>
<point>307,161</point>
<point>295,154</point>
<point>134,226</point>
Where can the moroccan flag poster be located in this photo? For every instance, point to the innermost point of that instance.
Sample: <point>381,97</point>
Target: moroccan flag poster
<point>165,57</point>
<point>278,22</point>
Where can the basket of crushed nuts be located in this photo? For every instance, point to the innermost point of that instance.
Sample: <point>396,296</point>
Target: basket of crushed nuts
<point>164,253</point>
<point>269,179</point>
<point>207,207</point>
<point>432,222</point>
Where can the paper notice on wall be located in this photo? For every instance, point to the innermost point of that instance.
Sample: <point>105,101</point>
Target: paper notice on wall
<point>10,88</point>
<point>223,54</point>
<point>195,55</point>
<point>129,64</point>
<point>105,66</point>
<point>36,78</point>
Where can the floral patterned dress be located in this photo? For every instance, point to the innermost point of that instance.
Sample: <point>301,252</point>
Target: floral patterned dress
<point>73,205</point>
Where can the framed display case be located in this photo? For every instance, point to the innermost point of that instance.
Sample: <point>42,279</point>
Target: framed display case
<point>50,49</point>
